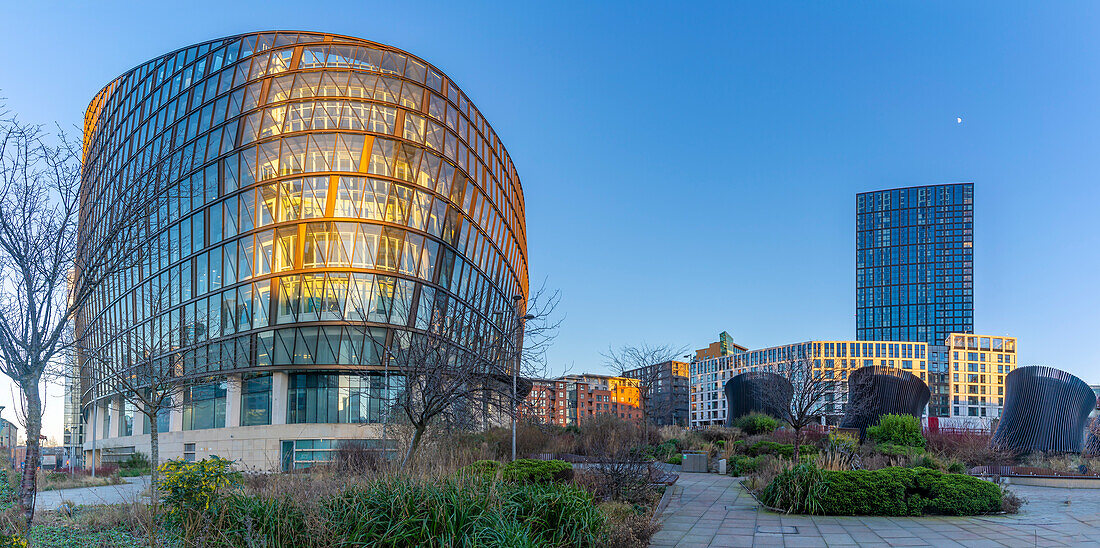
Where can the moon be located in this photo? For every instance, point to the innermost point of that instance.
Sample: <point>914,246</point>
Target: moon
<point>958,120</point>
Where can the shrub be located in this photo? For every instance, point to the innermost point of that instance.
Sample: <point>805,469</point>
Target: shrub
<point>675,459</point>
<point>741,465</point>
<point>627,527</point>
<point>799,489</point>
<point>137,460</point>
<point>483,467</point>
<point>757,423</point>
<point>784,450</point>
<point>926,460</point>
<point>897,430</point>
<point>899,450</point>
<point>956,467</point>
<point>191,489</point>
<point>538,471</point>
<point>906,492</point>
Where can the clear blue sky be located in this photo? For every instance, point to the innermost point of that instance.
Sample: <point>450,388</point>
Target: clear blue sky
<point>692,169</point>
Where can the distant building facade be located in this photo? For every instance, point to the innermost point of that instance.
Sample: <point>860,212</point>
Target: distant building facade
<point>978,365</point>
<point>667,400</point>
<point>724,346</point>
<point>571,399</point>
<point>538,406</point>
<point>835,360</point>
<point>915,263</point>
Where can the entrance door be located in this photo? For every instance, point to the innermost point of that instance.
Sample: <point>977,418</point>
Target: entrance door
<point>288,455</point>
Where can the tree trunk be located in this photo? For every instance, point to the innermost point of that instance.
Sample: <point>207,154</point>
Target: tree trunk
<point>154,460</point>
<point>27,486</point>
<point>419,433</point>
<point>797,444</point>
<point>154,489</point>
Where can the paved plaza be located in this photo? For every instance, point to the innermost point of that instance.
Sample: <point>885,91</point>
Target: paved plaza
<point>134,489</point>
<point>714,510</point>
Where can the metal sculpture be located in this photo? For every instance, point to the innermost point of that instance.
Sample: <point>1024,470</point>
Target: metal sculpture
<point>874,391</point>
<point>1046,409</point>
<point>759,392</point>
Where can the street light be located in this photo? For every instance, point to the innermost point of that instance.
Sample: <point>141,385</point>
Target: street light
<point>515,372</point>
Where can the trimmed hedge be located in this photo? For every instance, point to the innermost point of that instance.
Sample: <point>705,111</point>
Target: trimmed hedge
<point>907,492</point>
<point>784,450</point>
<point>524,470</point>
<point>899,450</point>
<point>538,471</point>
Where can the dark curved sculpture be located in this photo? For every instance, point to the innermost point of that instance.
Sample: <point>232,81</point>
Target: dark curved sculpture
<point>1046,409</point>
<point>759,392</point>
<point>876,390</point>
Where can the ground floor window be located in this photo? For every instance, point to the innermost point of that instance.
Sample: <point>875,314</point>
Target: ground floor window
<point>204,406</point>
<point>127,419</point>
<point>333,398</point>
<point>299,454</point>
<point>256,400</point>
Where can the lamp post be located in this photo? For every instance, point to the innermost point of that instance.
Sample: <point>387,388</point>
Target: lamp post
<point>515,367</point>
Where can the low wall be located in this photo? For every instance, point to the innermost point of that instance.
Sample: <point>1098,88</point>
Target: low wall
<point>1048,481</point>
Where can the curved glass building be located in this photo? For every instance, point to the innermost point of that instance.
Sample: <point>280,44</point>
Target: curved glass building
<point>317,195</point>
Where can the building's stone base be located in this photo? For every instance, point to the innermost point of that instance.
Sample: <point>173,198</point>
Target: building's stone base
<point>252,447</point>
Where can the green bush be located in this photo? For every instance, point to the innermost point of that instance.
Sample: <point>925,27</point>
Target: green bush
<point>483,467</point>
<point>784,450</point>
<point>741,465</point>
<point>191,489</point>
<point>897,430</point>
<point>136,461</point>
<point>956,467</point>
<point>899,450</point>
<point>906,492</point>
<point>675,459</point>
<point>538,471</point>
<point>757,423</point>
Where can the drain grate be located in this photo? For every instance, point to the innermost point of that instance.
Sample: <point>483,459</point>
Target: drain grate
<point>777,530</point>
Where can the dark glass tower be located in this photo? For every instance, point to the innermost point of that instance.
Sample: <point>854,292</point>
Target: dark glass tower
<point>915,263</point>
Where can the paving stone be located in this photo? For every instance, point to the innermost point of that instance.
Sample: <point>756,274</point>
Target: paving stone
<point>715,510</point>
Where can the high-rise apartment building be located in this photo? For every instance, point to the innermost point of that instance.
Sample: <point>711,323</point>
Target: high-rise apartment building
<point>915,263</point>
<point>666,391</point>
<point>978,365</point>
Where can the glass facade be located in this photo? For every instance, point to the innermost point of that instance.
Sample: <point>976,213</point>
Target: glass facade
<point>335,398</point>
<point>314,194</point>
<point>915,263</point>
<point>256,400</point>
<point>204,406</point>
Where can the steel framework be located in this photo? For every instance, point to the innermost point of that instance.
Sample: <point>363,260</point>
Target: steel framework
<point>875,391</point>
<point>1046,409</point>
<point>756,391</point>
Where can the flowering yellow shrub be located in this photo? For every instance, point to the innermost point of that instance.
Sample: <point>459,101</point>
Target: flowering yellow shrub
<point>13,541</point>
<point>191,488</point>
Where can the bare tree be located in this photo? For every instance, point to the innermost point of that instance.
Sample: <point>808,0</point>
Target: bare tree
<point>47,273</point>
<point>811,388</point>
<point>457,370</point>
<point>646,363</point>
<point>154,368</point>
